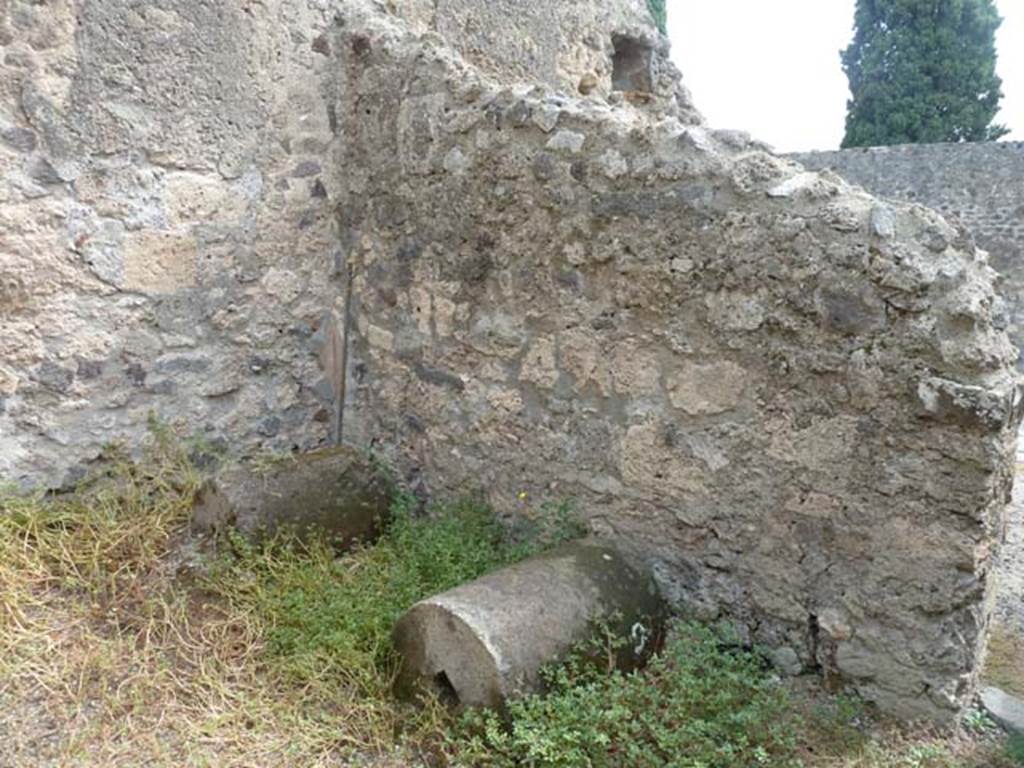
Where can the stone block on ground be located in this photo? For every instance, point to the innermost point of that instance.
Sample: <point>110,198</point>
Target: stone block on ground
<point>1005,709</point>
<point>485,642</point>
<point>337,491</point>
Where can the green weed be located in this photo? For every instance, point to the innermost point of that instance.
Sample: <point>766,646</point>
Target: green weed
<point>331,615</point>
<point>978,721</point>
<point>699,704</point>
<point>1015,749</point>
<point>548,525</point>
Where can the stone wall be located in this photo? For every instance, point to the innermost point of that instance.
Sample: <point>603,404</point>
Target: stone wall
<point>789,397</point>
<point>978,185</point>
<point>171,177</point>
<point>168,230</point>
<point>792,400</point>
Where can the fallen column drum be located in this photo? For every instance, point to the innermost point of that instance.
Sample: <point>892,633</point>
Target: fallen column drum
<point>487,641</point>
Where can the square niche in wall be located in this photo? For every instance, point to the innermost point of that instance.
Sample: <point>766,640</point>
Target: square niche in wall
<point>631,65</point>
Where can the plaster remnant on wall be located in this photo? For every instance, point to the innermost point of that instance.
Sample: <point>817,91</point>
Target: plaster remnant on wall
<point>191,198</point>
<point>704,390</point>
<point>539,366</point>
<point>159,262</point>
<point>634,370</point>
<point>648,461</point>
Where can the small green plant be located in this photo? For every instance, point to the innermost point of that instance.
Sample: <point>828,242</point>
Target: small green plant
<point>836,725</point>
<point>923,755</point>
<point>549,525</point>
<point>977,721</point>
<point>698,703</point>
<point>660,14</point>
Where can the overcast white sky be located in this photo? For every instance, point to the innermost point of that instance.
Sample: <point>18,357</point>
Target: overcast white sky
<point>772,67</point>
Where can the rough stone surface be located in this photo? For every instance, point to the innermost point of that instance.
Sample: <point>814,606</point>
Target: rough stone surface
<point>795,403</point>
<point>159,252</point>
<point>977,185</point>
<point>485,642</point>
<point>336,491</point>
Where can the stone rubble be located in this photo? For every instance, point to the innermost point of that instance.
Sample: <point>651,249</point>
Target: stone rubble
<point>336,491</point>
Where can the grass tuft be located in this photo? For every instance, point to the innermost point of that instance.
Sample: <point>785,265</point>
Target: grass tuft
<point>122,644</point>
<point>1004,665</point>
<point>327,617</point>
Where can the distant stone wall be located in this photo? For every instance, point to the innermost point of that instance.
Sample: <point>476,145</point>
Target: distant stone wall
<point>981,185</point>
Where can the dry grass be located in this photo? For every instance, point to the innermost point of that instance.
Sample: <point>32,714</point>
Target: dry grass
<point>898,749</point>
<point>1004,667</point>
<point>110,657</point>
<point>840,732</point>
<point>120,647</point>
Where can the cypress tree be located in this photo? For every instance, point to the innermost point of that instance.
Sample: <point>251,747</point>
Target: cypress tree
<point>922,71</point>
<point>660,14</point>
